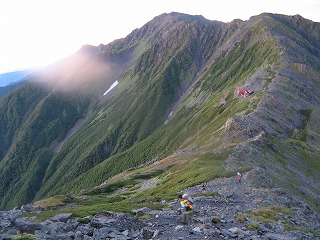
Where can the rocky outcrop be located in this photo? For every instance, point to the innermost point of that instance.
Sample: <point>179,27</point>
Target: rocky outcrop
<point>224,209</point>
<point>104,225</point>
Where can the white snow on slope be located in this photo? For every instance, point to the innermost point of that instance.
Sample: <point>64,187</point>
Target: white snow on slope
<point>111,87</point>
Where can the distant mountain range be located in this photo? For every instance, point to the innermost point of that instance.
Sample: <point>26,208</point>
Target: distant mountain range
<point>169,90</point>
<point>11,80</point>
<point>12,77</point>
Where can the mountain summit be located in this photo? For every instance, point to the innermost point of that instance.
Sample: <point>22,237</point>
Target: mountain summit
<point>169,91</point>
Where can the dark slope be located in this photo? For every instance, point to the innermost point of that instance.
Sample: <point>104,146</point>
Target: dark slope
<point>177,76</point>
<point>6,89</point>
<point>32,120</point>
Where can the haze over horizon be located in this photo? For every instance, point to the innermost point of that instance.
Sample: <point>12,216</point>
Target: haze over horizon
<point>37,33</point>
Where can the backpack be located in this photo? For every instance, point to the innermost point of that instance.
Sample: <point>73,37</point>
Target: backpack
<point>188,204</point>
<point>186,196</point>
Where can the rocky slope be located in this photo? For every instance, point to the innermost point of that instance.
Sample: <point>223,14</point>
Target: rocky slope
<point>224,209</point>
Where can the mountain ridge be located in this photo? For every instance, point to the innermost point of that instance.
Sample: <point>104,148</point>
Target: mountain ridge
<point>184,67</point>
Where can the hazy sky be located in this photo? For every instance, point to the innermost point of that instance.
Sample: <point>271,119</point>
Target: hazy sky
<point>38,32</point>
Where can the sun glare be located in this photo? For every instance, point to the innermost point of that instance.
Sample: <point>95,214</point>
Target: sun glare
<point>38,32</point>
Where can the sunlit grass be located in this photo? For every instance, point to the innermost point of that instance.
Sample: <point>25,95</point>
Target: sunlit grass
<point>94,204</point>
<point>188,172</point>
<point>269,214</point>
<point>52,202</point>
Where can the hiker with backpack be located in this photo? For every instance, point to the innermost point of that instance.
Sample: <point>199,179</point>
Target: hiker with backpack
<point>186,208</point>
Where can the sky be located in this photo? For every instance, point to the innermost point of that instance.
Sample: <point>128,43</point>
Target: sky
<point>36,33</point>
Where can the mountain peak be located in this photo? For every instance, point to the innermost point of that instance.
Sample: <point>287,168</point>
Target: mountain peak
<point>176,97</point>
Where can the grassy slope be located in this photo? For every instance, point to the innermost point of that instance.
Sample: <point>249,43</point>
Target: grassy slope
<point>197,126</point>
<point>116,127</point>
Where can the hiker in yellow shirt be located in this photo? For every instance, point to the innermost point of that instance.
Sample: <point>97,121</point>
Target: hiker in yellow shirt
<point>186,207</point>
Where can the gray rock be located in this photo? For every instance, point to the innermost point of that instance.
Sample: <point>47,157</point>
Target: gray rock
<point>118,221</point>
<point>85,230</point>
<point>7,233</point>
<point>26,227</point>
<point>203,220</point>
<point>147,233</point>
<point>10,215</point>
<point>63,217</point>
<point>101,233</point>
<point>126,233</point>
<point>179,227</point>
<point>196,230</point>
<point>102,219</point>
<point>226,233</point>
<point>141,211</point>
<point>29,208</point>
<point>235,230</point>
<point>58,228</point>
<point>4,223</point>
<point>156,233</point>
<point>278,229</point>
<point>275,236</point>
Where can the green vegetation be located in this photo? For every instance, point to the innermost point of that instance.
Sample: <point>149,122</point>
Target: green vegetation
<point>52,202</point>
<point>188,172</point>
<point>269,214</point>
<point>240,217</point>
<point>189,70</point>
<point>83,220</point>
<point>46,119</point>
<point>252,226</point>
<point>112,187</point>
<point>118,194</point>
<point>264,215</point>
<point>270,77</point>
<point>292,227</point>
<point>25,237</point>
<point>306,114</point>
<point>215,219</point>
<point>89,206</point>
<point>244,59</point>
<point>171,179</point>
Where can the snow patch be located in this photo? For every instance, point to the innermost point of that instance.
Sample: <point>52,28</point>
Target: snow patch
<point>111,87</point>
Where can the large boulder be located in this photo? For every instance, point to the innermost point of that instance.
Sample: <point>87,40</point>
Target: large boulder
<point>63,217</point>
<point>24,226</point>
<point>118,221</point>
<point>11,215</point>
